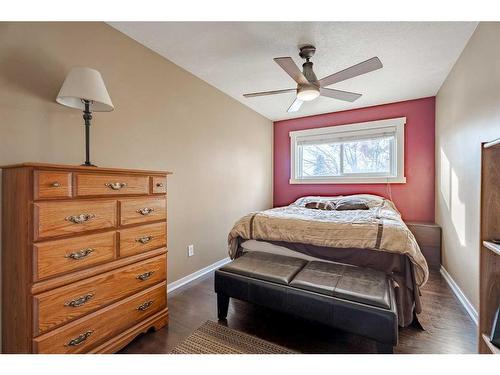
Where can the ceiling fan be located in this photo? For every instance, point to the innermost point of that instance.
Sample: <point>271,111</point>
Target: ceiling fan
<point>309,87</point>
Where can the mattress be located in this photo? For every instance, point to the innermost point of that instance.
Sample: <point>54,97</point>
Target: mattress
<point>267,247</point>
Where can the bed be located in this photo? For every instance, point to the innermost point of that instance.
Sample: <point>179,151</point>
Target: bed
<point>374,237</point>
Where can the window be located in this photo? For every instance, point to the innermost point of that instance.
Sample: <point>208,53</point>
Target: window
<point>369,152</point>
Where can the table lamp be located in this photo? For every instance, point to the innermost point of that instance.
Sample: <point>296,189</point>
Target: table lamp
<point>84,89</point>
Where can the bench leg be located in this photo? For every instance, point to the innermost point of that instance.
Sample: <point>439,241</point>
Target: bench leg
<point>222,305</point>
<point>384,348</point>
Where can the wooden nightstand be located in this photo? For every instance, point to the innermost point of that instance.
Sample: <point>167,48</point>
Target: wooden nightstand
<point>428,236</point>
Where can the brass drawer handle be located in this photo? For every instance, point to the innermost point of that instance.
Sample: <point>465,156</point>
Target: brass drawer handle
<point>145,305</point>
<point>80,254</point>
<point>55,184</point>
<point>145,275</point>
<point>80,301</point>
<point>80,219</point>
<point>116,185</point>
<point>159,184</point>
<point>145,211</point>
<point>144,239</point>
<point>80,339</point>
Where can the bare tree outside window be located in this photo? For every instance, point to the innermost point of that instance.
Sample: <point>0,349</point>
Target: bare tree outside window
<point>367,156</point>
<point>321,160</point>
<point>335,159</point>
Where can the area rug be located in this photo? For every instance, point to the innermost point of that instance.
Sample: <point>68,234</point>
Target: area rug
<point>214,338</point>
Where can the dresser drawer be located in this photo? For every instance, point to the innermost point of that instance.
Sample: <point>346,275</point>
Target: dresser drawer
<point>158,185</point>
<point>57,257</point>
<point>53,219</point>
<point>92,184</point>
<point>58,306</point>
<point>142,210</point>
<point>85,333</point>
<point>48,184</point>
<point>140,239</point>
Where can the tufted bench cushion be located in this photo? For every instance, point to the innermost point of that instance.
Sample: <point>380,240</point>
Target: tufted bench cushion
<point>353,299</point>
<point>264,266</point>
<point>351,283</point>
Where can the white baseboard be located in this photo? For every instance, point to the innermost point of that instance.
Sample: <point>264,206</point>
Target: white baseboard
<point>187,279</point>
<point>461,296</point>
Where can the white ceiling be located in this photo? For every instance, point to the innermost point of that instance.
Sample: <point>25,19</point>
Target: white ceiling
<point>237,57</point>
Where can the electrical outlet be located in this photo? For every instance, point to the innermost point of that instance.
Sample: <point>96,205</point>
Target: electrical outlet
<point>190,250</point>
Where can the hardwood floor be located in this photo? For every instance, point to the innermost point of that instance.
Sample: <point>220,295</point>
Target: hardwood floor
<point>448,328</point>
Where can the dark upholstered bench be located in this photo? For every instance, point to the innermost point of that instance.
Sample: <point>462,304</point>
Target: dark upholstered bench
<point>353,299</point>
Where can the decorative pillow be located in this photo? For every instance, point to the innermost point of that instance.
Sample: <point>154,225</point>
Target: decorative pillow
<point>353,203</point>
<point>325,205</point>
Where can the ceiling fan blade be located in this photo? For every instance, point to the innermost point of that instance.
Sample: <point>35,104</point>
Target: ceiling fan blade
<point>289,66</point>
<point>340,95</point>
<point>263,93</point>
<point>295,105</point>
<point>356,70</point>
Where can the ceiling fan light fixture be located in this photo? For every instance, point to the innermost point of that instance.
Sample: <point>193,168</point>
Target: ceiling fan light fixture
<point>307,93</point>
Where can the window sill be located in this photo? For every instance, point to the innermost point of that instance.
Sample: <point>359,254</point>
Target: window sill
<point>350,180</point>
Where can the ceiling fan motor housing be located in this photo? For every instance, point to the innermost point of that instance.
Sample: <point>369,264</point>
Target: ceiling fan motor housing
<point>307,69</point>
<point>308,92</point>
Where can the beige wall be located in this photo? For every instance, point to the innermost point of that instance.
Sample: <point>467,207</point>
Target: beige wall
<point>467,113</point>
<point>165,118</point>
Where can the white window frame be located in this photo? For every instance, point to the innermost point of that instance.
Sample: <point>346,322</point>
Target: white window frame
<point>363,129</point>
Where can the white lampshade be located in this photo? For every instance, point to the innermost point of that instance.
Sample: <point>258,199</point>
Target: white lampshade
<point>85,83</point>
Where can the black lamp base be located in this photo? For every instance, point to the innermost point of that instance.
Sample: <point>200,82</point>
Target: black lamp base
<point>87,116</point>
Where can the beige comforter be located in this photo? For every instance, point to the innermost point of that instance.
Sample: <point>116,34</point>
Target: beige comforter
<point>379,229</point>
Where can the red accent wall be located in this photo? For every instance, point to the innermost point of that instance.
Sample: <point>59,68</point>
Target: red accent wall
<point>414,199</point>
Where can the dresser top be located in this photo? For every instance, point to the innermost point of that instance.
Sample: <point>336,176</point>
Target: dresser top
<point>82,168</point>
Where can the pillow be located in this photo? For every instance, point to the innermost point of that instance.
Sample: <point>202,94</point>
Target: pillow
<point>302,201</point>
<point>325,205</point>
<point>353,203</point>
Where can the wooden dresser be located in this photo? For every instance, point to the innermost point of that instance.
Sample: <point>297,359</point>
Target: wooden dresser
<point>83,257</point>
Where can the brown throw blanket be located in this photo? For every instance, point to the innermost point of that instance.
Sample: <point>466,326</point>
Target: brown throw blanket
<point>379,229</point>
